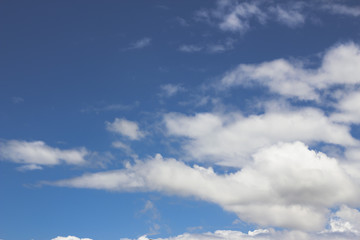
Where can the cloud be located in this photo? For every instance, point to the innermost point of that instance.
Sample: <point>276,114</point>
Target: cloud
<point>170,90</point>
<point>29,167</point>
<point>289,16</point>
<point>121,145</point>
<point>182,22</point>
<point>241,16</point>
<point>339,66</point>
<point>352,11</point>
<point>345,220</point>
<point>230,139</point>
<point>258,234</point>
<point>110,107</point>
<point>285,185</point>
<point>348,109</point>
<point>190,48</point>
<point>70,238</point>
<point>35,154</point>
<point>126,128</point>
<point>17,100</point>
<point>219,47</point>
<point>141,43</point>
<point>235,16</point>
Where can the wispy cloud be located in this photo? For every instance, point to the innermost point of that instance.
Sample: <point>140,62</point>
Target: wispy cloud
<point>17,100</point>
<point>219,47</point>
<point>190,48</point>
<point>141,43</point>
<point>110,107</point>
<point>341,9</point>
<point>169,90</point>
<point>182,21</point>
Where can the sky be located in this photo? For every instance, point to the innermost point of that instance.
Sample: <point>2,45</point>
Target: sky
<point>180,120</point>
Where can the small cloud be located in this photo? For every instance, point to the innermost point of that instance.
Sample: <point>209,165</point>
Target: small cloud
<point>170,90</point>
<point>29,167</point>
<point>37,153</point>
<point>291,17</point>
<point>182,22</point>
<point>194,229</point>
<point>141,43</point>
<point>109,108</point>
<point>190,48</point>
<point>219,47</point>
<point>126,148</point>
<point>70,238</point>
<point>126,128</point>
<point>17,100</point>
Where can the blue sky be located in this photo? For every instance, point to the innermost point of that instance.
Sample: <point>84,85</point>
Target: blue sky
<point>179,120</point>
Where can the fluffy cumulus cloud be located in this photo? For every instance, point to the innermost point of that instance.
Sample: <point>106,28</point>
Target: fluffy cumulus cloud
<point>258,234</point>
<point>340,66</point>
<point>70,238</point>
<point>126,128</point>
<point>229,139</point>
<point>286,185</point>
<point>35,154</point>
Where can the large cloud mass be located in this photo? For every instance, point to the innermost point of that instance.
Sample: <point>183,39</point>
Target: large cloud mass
<point>287,185</point>
<point>229,139</point>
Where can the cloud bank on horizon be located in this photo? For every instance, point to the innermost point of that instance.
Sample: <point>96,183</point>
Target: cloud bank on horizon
<point>275,142</point>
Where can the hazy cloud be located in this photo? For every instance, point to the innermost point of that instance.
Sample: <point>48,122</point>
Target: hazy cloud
<point>141,43</point>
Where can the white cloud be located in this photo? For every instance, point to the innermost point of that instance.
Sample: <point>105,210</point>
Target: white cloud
<point>346,220</point>
<point>230,139</point>
<point>70,238</point>
<point>219,47</point>
<point>190,48</point>
<point>292,17</point>
<point>240,16</point>
<point>121,145</point>
<point>37,153</point>
<point>29,167</point>
<point>170,90</point>
<point>271,235</point>
<point>348,109</point>
<point>353,11</point>
<point>286,185</point>
<point>126,128</point>
<point>340,66</point>
<point>111,107</point>
<point>236,17</point>
<point>141,43</point>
